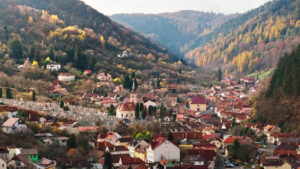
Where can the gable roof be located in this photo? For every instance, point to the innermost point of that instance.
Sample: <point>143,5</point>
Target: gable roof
<point>10,122</point>
<point>198,100</point>
<point>130,106</point>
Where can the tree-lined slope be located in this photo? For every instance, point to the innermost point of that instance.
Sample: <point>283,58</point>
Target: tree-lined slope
<point>176,30</point>
<point>254,40</point>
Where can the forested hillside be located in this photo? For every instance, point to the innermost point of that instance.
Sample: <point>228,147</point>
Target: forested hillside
<point>279,102</point>
<point>176,31</point>
<point>74,35</point>
<point>252,41</point>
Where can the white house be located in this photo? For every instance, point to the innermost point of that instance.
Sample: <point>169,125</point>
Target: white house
<point>66,77</point>
<point>12,125</point>
<point>162,148</point>
<point>136,144</point>
<point>54,67</point>
<point>3,164</point>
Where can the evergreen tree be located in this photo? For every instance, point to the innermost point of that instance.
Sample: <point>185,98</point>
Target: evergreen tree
<point>61,103</point>
<point>170,112</point>
<point>174,116</point>
<point>144,114</point>
<point>150,110</point>
<point>170,136</point>
<point>219,74</point>
<point>137,111</point>
<point>158,83</point>
<point>127,83</point>
<point>31,52</point>
<point>6,33</point>
<point>71,143</point>
<point>111,111</point>
<point>135,84</point>
<point>9,94</point>
<point>233,149</point>
<point>107,161</point>
<point>15,49</point>
<point>33,96</point>
<point>162,111</point>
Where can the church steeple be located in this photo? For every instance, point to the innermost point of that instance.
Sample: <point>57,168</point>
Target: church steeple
<point>133,85</point>
<point>133,95</point>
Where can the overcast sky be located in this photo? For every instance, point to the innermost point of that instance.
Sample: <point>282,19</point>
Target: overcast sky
<point>109,7</point>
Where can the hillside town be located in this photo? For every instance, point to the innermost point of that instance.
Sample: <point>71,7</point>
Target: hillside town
<point>156,127</point>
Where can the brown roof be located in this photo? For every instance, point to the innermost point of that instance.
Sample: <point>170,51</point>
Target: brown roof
<point>31,151</point>
<point>130,161</point>
<point>271,161</point>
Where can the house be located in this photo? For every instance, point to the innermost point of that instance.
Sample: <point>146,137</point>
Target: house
<point>3,164</point>
<point>110,137</point>
<point>276,138</point>
<point>124,141</point>
<point>198,103</point>
<point>87,72</point>
<point>270,129</point>
<point>4,153</point>
<point>286,148</point>
<point>195,161</point>
<point>66,77</point>
<point>20,161</point>
<point>53,67</point>
<point>162,148</point>
<point>13,125</point>
<point>137,148</point>
<point>115,158</point>
<point>207,155</point>
<point>104,78</point>
<point>273,162</point>
<point>126,110</point>
<point>31,154</point>
<point>171,99</point>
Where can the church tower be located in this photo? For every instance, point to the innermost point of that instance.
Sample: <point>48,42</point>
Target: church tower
<point>133,94</point>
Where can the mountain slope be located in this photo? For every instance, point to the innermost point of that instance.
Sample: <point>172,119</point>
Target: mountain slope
<point>279,103</point>
<point>77,36</point>
<point>254,40</point>
<point>174,30</point>
<point>86,17</point>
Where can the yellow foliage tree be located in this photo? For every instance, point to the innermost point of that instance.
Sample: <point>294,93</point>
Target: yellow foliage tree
<point>30,20</point>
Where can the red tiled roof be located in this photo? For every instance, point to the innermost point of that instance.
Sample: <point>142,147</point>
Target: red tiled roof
<point>230,140</point>
<point>126,107</point>
<point>155,136</point>
<point>198,100</point>
<point>8,108</point>
<point>102,145</point>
